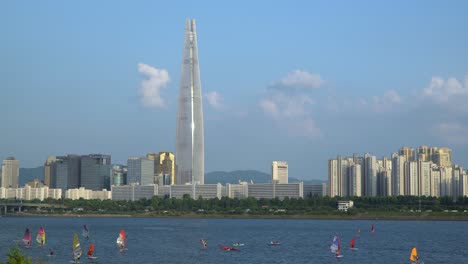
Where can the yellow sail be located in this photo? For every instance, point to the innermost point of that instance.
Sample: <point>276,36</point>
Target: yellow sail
<point>414,255</point>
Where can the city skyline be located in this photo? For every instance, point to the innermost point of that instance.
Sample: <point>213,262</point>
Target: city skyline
<point>301,82</point>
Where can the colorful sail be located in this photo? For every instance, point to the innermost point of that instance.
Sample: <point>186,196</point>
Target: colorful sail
<point>85,232</point>
<point>414,255</point>
<point>76,248</point>
<point>352,243</point>
<point>91,251</point>
<point>204,243</point>
<point>121,240</point>
<point>41,236</point>
<point>372,229</point>
<point>27,237</point>
<point>338,250</point>
<point>358,232</point>
<point>334,245</point>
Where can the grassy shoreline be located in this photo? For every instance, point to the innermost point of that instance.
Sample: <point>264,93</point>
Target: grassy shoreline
<point>361,216</point>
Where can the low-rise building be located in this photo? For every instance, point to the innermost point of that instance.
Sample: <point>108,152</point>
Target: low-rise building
<point>29,193</point>
<point>344,206</point>
<point>134,192</point>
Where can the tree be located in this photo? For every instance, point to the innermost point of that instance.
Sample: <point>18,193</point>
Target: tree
<point>16,257</point>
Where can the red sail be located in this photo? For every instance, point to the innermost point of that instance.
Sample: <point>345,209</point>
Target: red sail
<point>351,244</point>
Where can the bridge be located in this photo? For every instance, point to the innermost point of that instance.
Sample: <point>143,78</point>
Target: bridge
<point>17,206</point>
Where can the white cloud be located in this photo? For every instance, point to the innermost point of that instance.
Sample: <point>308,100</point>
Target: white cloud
<point>453,132</point>
<point>291,112</point>
<point>215,100</point>
<point>387,102</point>
<point>441,91</point>
<point>150,89</point>
<point>300,79</point>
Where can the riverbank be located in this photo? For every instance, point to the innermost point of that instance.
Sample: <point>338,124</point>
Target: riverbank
<point>358,216</point>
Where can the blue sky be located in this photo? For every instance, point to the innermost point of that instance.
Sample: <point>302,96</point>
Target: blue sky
<point>300,81</point>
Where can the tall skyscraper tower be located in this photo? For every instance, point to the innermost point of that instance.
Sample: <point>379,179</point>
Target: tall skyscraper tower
<point>10,173</point>
<point>190,150</point>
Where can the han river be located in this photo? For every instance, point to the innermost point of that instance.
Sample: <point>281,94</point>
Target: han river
<point>177,240</point>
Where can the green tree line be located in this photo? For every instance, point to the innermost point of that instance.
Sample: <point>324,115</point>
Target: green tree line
<point>226,205</point>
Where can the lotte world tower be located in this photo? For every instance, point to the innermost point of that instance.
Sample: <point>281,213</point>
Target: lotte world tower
<point>190,149</point>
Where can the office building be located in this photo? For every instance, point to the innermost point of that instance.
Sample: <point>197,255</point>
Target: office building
<point>134,192</point>
<point>164,167</point>
<point>49,172</point>
<point>10,173</point>
<point>190,150</point>
<point>96,171</point>
<point>119,175</point>
<point>140,170</point>
<point>279,171</point>
<point>65,172</point>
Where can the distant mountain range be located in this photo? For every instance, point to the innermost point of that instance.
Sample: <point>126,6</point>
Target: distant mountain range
<point>223,177</point>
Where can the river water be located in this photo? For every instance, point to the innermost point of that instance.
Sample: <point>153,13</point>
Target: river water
<point>177,240</point>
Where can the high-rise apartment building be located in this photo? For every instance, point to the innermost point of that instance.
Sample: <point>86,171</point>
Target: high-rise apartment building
<point>424,177</point>
<point>424,154</point>
<point>371,175</point>
<point>10,173</point>
<point>398,175</point>
<point>164,166</point>
<point>408,153</point>
<point>333,177</point>
<point>443,157</point>
<point>411,178</point>
<point>96,171</point>
<point>140,170</point>
<point>279,171</point>
<point>355,180</point>
<point>190,148</point>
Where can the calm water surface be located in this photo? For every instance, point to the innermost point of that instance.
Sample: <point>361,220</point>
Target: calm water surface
<point>155,240</point>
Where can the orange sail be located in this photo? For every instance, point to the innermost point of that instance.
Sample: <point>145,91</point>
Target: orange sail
<point>414,255</point>
<point>91,251</point>
<point>122,239</point>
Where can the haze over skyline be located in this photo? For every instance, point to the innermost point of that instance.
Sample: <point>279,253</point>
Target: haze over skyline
<point>296,81</point>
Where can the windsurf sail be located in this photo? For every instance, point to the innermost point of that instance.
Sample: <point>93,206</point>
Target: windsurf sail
<point>204,243</point>
<point>338,250</point>
<point>27,237</point>
<point>334,245</point>
<point>91,251</point>
<point>41,237</point>
<point>121,240</point>
<point>85,232</point>
<point>352,243</point>
<point>414,255</point>
<point>358,232</point>
<point>76,248</point>
<point>372,229</point>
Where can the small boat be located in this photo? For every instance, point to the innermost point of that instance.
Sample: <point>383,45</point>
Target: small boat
<point>372,229</point>
<point>91,252</point>
<point>85,232</point>
<point>76,249</point>
<point>27,238</point>
<point>338,250</point>
<point>334,245</point>
<point>414,257</point>
<point>41,236</point>
<point>352,244</point>
<point>122,240</point>
<point>204,243</point>
<point>274,243</point>
<point>238,245</point>
<point>227,248</point>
